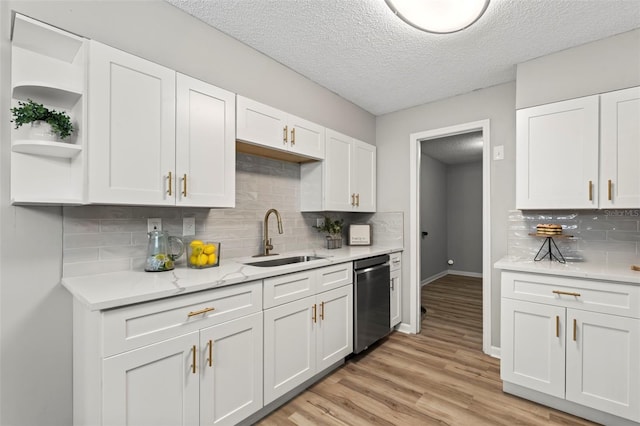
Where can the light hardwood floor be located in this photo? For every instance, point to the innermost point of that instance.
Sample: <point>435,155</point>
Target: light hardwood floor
<point>439,377</point>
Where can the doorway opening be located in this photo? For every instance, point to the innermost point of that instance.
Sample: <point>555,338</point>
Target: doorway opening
<point>415,232</point>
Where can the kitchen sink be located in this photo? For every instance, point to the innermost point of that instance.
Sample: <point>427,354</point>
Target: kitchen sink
<point>283,261</point>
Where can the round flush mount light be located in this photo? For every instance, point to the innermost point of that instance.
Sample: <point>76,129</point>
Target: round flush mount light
<point>439,16</point>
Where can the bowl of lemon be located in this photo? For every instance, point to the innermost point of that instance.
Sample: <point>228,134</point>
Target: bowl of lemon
<point>203,254</point>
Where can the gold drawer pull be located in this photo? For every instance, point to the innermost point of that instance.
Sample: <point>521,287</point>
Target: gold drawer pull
<point>201,311</point>
<point>590,191</point>
<point>293,136</point>
<point>575,329</point>
<point>322,311</point>
<point>169,190</point>
<point>210,353</point>
<point>566,293</point>
<point>314,313</point>
<point>609,189</point>
<point>285,134</point>
<point>557,326</point>
<point>184,185</point>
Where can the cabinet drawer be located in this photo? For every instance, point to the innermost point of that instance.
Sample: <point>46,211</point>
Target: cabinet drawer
<point>597,296</point>
<point>395,261</point>
<point>334,276</point>
<point>146,323</point>
<point>287,288</point>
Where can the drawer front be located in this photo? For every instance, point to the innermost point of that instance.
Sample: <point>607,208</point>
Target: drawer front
<point>287,288</point>
<point>395,261</point>
<point>334,276</point>
<point>596,296</point>
<point>146,323</point>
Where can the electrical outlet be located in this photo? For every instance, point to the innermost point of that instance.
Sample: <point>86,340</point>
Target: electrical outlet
<point>188,226</point>
<point>319,222</point>
<point>154,224</point>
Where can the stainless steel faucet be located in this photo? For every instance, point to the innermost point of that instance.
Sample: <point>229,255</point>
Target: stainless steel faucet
<point>266,242</point>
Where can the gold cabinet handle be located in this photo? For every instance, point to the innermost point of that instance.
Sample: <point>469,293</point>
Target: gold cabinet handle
<point>590,191</point>
<point>609,189</point>
<point>322,311</point>
<point>557,326</point>
<point>193,361</point>
<point>357,200</point>
<point>575,329</point>
<point>285,134</point>
<point>210,353</point>
<point>184,185</point>
<point>314,313</point>
<point>566,293</point>
<point>170,191</point>
<point>201,311</point>
<point>293,136</point>
<point>353,199</point>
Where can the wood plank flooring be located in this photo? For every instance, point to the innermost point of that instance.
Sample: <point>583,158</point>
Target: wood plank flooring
<point>439,377</point>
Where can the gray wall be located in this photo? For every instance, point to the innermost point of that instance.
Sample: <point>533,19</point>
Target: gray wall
<point>464,217</point>
<point>392,139</point>
<point>433,217</point>
<point>35,312</point>
<point>609,64</point>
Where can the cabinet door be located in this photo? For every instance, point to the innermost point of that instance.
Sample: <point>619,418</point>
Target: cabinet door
<point>396,299</point>
<point>338,186</point>
<point>364,176</point>
<point>334,326</point>
<point>131,142</point>
<point>620,149</point>
<point>261,124</point>
<point>557,155</point>
<point>603,371</point>
<point>205,144</point>
<point>231,371</point>
<point>532,348</point>
<point>306,138</point>
<point>289,346</point>
<point>154,385</point>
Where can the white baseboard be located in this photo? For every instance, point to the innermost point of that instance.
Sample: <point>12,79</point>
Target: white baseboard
<point>405,328</point>
<point>494,352</point>
<point>432,278</point>
<point>465,273</point>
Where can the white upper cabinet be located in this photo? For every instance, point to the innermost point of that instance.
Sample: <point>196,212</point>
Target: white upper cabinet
<point>157,137</point>
<point>132,129</point>
<point>262,125</point>
<point>344,181</point>
<point>205,144</point>
<point>557,155</point>
<point>620,149</point>
<point>580,154</point>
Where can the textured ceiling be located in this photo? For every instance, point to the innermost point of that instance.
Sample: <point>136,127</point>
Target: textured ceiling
<point>361,51</point>
<point>457,149</point>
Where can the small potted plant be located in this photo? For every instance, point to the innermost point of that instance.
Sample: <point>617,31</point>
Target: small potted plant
<point>30,112</point>
<point>334,229</point>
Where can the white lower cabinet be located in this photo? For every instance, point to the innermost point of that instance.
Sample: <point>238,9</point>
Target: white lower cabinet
<point>305,336</point>
<point>395,289</point>
<point>576,340</point>
<point>188,360</point>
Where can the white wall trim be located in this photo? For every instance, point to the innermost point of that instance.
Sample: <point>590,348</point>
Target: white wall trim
<point>434,277</point>
<point>415,140</point>
<point>464,273</point>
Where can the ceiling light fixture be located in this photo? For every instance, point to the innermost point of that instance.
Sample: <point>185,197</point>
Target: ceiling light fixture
<point>439,16</point>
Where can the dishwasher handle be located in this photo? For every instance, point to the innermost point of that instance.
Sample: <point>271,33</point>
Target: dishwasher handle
<point>372,268</point>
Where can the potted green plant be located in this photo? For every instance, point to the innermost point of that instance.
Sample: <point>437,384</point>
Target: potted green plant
<point>33,113</point>
<point>334,229</point>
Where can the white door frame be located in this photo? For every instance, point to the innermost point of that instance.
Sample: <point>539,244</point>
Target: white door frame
<point>414,221</point>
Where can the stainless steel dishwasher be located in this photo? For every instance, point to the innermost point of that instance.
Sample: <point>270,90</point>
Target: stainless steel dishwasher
<point>371,301</point>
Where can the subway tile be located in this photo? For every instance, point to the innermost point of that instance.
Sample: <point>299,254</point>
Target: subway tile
<point>92,268</point>
<point>96,240</point>
<point>122,225</point>
<point>75,225</point>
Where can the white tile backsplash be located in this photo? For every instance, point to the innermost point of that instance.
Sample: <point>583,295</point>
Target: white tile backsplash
<point>101,239</point>
<point>611,236</point>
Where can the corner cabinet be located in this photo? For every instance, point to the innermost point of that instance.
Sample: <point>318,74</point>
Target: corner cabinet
<point>157,137</point>
<point>263,126</point>
<point>581,153</point>
<point>575,340</point>
<point>344,181</point>
<point>187,360</point>
<point>48,67</point>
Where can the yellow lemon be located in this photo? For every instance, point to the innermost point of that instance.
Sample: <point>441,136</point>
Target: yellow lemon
<point>193,259</point>
<point>161,257</point>
<point>195,243</point>
<point>168,265</point>
<point>209,248</point>
<point>212,259</point>
<point>196,250</point>
<point>202,259</point>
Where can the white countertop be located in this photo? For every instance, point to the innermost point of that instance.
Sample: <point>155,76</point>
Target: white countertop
<point>590,270</point>
<point>110,290</point>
